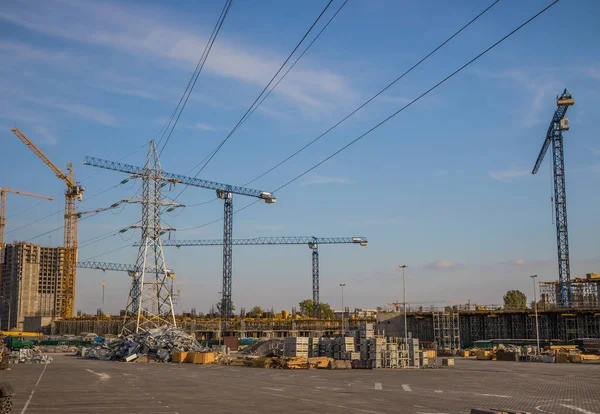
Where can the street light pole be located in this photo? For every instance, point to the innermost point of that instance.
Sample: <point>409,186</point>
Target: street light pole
<point>343,312</point>
<point>404,293</point>
<point>537,326</point>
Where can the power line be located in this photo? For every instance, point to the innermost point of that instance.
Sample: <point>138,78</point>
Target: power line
<point>197,71</point>
<point>105,253</point>
<point>417,98</point>
<point>389,85</point>
<point>395,113</point>
<point>248,111</point>
<point>98,171</point>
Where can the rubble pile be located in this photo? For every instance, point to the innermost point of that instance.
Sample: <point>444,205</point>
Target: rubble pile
<point>29,356</point>
<point>156,344</point>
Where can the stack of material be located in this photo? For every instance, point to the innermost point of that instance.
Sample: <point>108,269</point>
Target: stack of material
<point>29,356</point>
<point>506,355</point>
<point>367,330</point>
<point>485,354</point>
<point>424,359</point>
<point>376,346</point>
<point>157,344</point>
<point>413,352</point>
<point>590,346</point>
<point>313,347</point>
<point>390,353</point>
<point>295,347</point>
<point>326,347</point>
<point>344,348</point>
<point>264,347</point>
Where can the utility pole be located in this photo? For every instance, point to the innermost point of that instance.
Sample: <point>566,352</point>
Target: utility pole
<point>404,306</point>
<point>343,312</point>
<point>537,326</point>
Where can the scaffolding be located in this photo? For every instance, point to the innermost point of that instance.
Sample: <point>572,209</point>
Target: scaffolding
<point>585,293</point>
<point>446,329</point>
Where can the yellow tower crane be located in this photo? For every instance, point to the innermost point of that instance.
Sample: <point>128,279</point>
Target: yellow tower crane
<point>73,194</point>
<point>3,191</point>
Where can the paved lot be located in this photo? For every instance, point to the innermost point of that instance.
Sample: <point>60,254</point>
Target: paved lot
<point>74,385</point>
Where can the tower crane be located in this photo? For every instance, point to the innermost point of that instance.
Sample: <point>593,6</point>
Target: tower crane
<point>312,243</point>
<point>73,194</point>
<point>224,192</point>
<point>554,135</point>
<point>3,191</point>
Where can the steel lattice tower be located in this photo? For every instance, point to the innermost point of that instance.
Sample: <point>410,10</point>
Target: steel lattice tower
<point>150,304</point>
<point>315,281</point>
<point>554,135</point>
<point>226,304</point>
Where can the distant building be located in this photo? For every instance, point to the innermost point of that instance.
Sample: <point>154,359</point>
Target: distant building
<point>365,313</point>
<point>31,282</point>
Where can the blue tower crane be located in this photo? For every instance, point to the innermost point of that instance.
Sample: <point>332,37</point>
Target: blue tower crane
<point>554,135</point>
<point>312,242</point>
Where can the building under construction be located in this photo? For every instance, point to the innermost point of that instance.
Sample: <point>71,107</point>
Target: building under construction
<point>31,283</point>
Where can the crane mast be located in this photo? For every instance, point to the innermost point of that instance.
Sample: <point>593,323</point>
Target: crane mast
<point>73,194</point>
<point>224,192</point>
<point>312,243</point>
<point>554,136</point>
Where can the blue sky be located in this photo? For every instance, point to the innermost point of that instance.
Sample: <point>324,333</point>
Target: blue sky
<point>445,187</point>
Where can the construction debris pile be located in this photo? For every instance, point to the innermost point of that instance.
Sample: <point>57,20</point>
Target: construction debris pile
<point>156,344</point>
<point>29,356</point>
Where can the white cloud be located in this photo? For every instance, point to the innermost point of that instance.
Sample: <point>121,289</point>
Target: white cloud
<point>23,51</point>
<point>508,174</point>
<point>205,127</point>
<point>443,265</point>
<point>147,32</point>
<point>321,179</point>
<point>83,111</point>
<point>134,92</point>
<point>593,72</point>
<point>45,135</point>
<point>541,88</point>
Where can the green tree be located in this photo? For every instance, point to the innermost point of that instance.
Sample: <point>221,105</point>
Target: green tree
<point>515,299</point>
<point>256,312</point>
<point>307,307</point>
<point>325,311</point>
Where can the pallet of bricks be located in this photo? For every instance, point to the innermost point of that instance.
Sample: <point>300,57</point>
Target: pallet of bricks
<point>295,347</point>
<point>313,347</point>
<point>344,349</point>
<point>413,352</point>
<point>326,347</point>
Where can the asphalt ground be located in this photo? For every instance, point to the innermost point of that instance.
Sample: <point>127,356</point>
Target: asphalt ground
<point>74,385</point>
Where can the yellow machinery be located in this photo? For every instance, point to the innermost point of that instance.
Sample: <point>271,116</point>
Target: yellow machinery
<point>3,191</point>
<point>73,194</point>
<point>23,334</point>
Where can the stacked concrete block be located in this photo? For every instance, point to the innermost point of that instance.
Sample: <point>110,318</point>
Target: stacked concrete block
<point>367,330</point>
<point>295,347</point>
<point>326,347</point>
<point>313,347</point>
<point>413,352</point>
